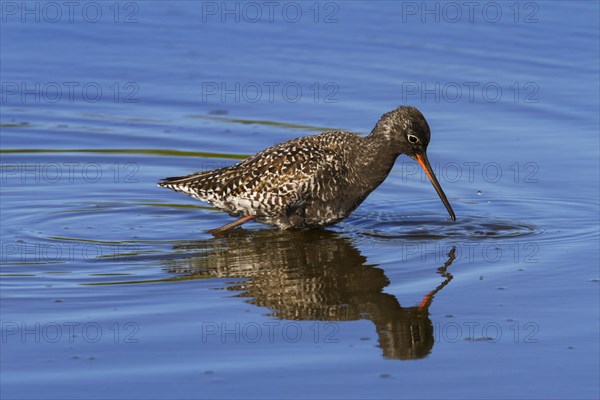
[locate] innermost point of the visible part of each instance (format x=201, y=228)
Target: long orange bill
x=424, y=163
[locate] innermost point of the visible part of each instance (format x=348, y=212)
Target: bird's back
x=279, y=182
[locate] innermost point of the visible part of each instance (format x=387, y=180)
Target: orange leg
x=231, y=225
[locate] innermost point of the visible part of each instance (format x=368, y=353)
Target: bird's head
x=405, y=131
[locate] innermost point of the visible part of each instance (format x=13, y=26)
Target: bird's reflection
x=315, y=275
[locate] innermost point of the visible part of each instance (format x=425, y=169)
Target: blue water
x=111, y=288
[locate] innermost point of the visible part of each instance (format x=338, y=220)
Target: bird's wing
x=288, y=174
x=284, y=175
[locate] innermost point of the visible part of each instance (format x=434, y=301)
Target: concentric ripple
x=390, y=225
x=478, y=221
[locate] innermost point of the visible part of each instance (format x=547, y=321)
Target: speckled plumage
x=312, y=181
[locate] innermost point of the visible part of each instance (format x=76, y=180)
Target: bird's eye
x=413, y=139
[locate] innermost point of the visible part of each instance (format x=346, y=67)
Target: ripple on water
x=546, y=220
x=426, y=227
x=114, y=246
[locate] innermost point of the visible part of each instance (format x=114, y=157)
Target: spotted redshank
x=313, y=181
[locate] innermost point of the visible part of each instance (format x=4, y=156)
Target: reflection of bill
x=318, y=276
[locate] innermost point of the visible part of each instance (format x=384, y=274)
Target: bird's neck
x=377, y=160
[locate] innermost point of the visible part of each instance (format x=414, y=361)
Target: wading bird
x=313, y=181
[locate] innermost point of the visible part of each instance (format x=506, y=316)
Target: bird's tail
x=194, y=185
x=179, y=180
x=199, y=184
